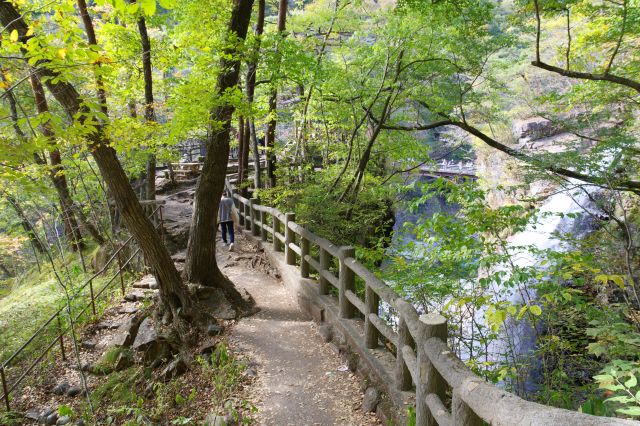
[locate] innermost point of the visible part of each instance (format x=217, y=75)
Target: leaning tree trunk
x=273, y=103
x=201, y=266
x=173, y=293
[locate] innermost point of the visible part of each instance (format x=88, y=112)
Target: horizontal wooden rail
x=355, y=301
x=384, y=329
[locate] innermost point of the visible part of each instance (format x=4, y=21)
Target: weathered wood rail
x=446, y=391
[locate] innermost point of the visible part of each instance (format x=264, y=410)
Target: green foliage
x=620, y=378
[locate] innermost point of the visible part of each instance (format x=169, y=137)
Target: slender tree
x=201, y=266
x=273, y=102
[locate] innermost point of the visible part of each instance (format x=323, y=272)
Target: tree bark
x=173, y=293
x=241, y=138
x=149, y=109
x=273, y=103
x=201, y=266
x=72, y=213
x=25, y=223
x=245, y=154
x=252, y=67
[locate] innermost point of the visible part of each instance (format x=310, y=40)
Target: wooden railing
x=447, y=392
x=60, y=317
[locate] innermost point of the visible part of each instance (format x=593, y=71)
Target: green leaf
x=148, y=6
x=535, y=310
x=630, y=411
x=631, y=382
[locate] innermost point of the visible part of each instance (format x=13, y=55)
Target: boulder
x=128, y=331
x=146, y=334
x=155, y=348
x=535, y=128
x=370, y=400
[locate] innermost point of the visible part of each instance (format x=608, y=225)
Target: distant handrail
x=423, y=357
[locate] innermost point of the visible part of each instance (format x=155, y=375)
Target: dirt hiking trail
x=300, y=379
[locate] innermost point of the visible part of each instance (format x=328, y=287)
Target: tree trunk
x=201, y=266
x=173, y=293
x=26, y=224
x=149, y=110
x=71, y=212
x=273, y=103
x=245, y=155
x=241, y=138
x=252, y=67
x=257, y=167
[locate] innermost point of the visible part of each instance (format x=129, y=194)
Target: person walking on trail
x=225, y=219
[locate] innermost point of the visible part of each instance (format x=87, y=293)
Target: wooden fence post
x=346, y=281
x=371, y=300
x=255, y=229
x=247, y=215
x=263, y=227
x=5, y=389
x=304, y=250
x=277, y=244
x=403, y=375
x=289, y=254
x=239, y=207
x=429, y=380
x=461, y=414
x=324, y=266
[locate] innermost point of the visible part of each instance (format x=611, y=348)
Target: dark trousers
x=227, y=227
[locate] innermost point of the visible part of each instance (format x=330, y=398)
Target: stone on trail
x=74, y=391
x=146, y=334
x=127, y=332
x=214, y=329
x=214, y=419
x=63, y=420
x=139, y=295
x=148, y=282
x=370, y=400
x=148, y=341
x=61, y=388
x=51, y=419
x=175, y=368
